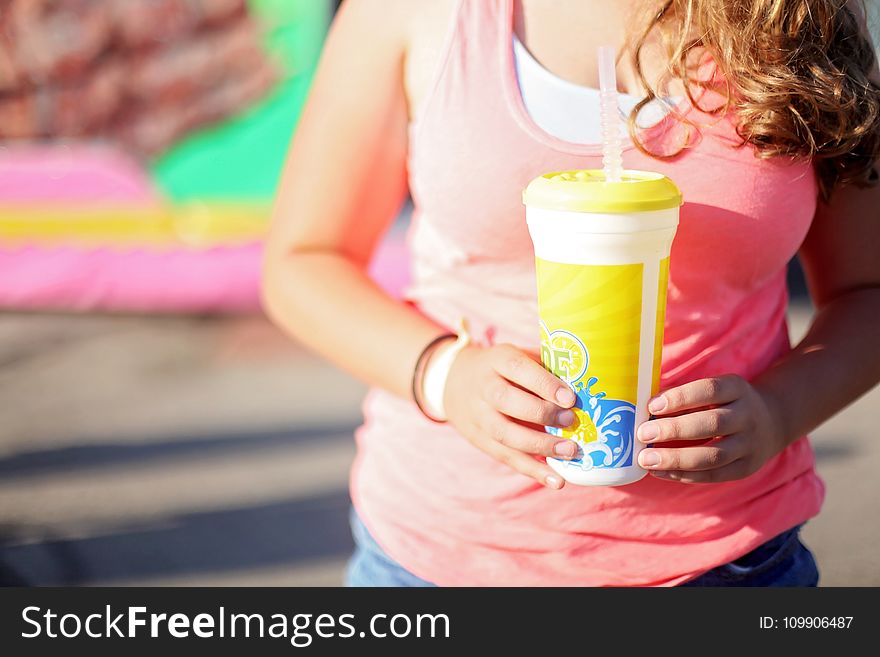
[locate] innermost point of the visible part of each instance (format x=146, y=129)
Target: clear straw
x=612, y=149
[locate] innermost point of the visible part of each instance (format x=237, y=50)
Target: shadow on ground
x=280, y=533
x=276, y=533
x=153, y=451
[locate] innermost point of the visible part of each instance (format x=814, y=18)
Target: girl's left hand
x=742, y=420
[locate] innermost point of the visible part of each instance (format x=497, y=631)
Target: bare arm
x=343, y=184
x=840, y=355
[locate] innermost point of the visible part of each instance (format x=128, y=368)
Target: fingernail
x=565, y=396
x=565, y=418
x=553, y=481
x=657, y=405
x=649, y=459
x=565, y=448
x=648, y=432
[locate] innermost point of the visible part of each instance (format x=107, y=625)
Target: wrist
x=780, y=430
x=432, y=372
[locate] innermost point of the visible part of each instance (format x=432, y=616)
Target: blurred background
x=154, y=427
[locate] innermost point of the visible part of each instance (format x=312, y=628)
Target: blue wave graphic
x=615, y=430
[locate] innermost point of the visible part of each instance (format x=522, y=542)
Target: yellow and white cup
x=602, y=259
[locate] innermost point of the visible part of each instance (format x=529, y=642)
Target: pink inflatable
x=72, y=174
x=173, y=278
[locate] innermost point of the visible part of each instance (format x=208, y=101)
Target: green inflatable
x=241, y=158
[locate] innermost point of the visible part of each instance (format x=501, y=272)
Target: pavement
x=215, y=451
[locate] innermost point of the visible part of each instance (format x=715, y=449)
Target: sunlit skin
x=346, y=178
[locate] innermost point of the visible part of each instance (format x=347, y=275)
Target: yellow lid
x=588, y=191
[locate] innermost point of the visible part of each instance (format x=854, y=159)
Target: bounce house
x=142, y=141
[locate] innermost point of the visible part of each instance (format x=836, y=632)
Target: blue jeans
x=781, y=561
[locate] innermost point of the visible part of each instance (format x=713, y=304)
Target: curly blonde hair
x=797, y=73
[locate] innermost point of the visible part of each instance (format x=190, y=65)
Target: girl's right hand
x=496, y=395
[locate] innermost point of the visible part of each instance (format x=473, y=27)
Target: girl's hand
x=742, y=420
x=494, y=396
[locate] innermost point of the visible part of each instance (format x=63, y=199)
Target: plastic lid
x=587, y=190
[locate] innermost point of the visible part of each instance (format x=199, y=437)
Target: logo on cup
x=563, y=353
x=603, y=427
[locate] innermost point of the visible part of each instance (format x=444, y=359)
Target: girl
x=766, y=113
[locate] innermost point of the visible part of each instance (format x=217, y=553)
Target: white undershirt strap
x=567, y=110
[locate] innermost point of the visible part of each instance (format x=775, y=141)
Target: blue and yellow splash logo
x=603, y=427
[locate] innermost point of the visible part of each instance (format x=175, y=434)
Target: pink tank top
x=452, y=515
